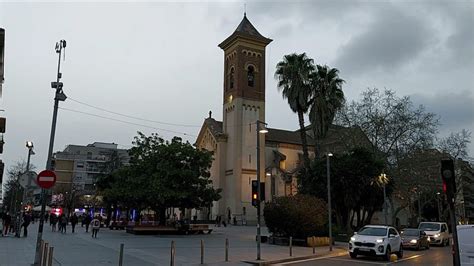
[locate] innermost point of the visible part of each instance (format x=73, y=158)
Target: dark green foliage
x=298, y=216
x=162, y=174
x=354, y=185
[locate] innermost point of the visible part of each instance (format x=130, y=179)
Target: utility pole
x=328, y=174
x=259, y=196
x=59, y=96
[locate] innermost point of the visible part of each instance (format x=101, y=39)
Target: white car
x=376, y=240
x=466, y=244
x=437, y=232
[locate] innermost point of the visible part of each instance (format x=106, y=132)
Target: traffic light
x=449, y=178
x=254, y=193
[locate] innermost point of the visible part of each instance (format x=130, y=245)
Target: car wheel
x=388, y=252
x=446, y=242
x=400, y=252
x=353, y=255
x=428, y=245
x=418, y=247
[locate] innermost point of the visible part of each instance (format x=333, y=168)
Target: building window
x=250, y=76
x=80, y=165
x=231, y=78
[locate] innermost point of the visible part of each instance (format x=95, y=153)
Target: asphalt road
x=434, y=256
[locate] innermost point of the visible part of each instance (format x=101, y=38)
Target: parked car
x=414, y=238
x=437, y=232
x=466, y=244
x=376, y=240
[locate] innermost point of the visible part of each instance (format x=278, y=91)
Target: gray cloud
x=393, y=39
x=455, y=109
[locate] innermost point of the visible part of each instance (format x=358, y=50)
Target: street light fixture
x=328, y=174
x=260, y=130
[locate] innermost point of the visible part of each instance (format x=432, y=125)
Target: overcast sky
x=160, y=61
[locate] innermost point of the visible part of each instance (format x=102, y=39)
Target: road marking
x=360, y=261
x=312, y=259
x=409, y=258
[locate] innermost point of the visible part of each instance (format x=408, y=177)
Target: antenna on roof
x=245, y=9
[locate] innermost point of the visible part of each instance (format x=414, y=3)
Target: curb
x=337, y=252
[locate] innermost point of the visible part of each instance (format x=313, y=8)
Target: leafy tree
x=294, y=81
x=356, y=192
x=162, y=174
x=326, y=99
x=397, y=129
x=298, y=216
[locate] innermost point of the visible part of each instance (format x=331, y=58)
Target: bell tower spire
x=243, y=105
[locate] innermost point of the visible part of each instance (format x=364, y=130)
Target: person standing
x=95, y=226
x=74, y=221
x=53, y=219
x=87, y=221
x=63, y=222
x=7, y=220
x=26, y=223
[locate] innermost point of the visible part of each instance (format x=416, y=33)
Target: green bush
x=298, y=216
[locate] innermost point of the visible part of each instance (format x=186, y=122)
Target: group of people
x=8, y=226
x=60, y=222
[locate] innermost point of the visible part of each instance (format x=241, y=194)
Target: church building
x=234, y=140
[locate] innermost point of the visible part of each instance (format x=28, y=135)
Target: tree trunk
x=304, y=141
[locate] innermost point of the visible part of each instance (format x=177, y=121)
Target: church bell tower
x=243, y=105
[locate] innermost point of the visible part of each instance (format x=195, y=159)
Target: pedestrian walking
x=52, y=221
x=95, y=226
x=63, y=222
x=87, y=221
x=7, y=220
x=26, y=223
x=74, y=221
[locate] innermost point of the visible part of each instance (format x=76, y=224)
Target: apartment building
x=78, y=167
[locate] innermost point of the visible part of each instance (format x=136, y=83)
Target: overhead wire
x=127, y=122
x=130, y=116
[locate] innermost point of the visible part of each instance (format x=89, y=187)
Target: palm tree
x=293, y=75
x=326, y=100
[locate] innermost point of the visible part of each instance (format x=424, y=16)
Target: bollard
x=291, y=246
x=41, y=251
x=121, y=255
x=50, y=256
x=226, y=249
x=314, y=244
x=202, y=251
x=172, y=253
x=45, y=254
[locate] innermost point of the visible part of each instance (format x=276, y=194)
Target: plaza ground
x=143, y=250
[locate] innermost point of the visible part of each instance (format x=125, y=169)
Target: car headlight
x=353, y=239
x=436, y=235
x=379, y=240
x=413, y=241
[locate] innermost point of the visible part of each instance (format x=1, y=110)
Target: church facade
x=234, y=139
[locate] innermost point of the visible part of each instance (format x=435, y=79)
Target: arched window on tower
x=231, y=78
x=250, y=76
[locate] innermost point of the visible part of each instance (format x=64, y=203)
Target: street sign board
x=46, y=179
x=25, y=177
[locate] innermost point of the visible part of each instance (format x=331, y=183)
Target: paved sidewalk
x=81, y=249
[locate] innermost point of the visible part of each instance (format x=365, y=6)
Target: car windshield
x=429, y=226
x=410, y=232
x=373, y=231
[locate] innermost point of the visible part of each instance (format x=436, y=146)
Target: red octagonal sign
x=46, y=179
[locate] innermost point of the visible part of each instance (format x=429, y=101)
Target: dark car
x=415, y=238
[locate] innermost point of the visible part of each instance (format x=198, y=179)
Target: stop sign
x=46, y=179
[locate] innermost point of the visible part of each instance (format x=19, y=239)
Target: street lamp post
x=439, y=207
x=29, y=145
x=328, y=174
x=259, y=235
x=383, y=179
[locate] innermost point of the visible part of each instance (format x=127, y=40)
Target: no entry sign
x=46, y=179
